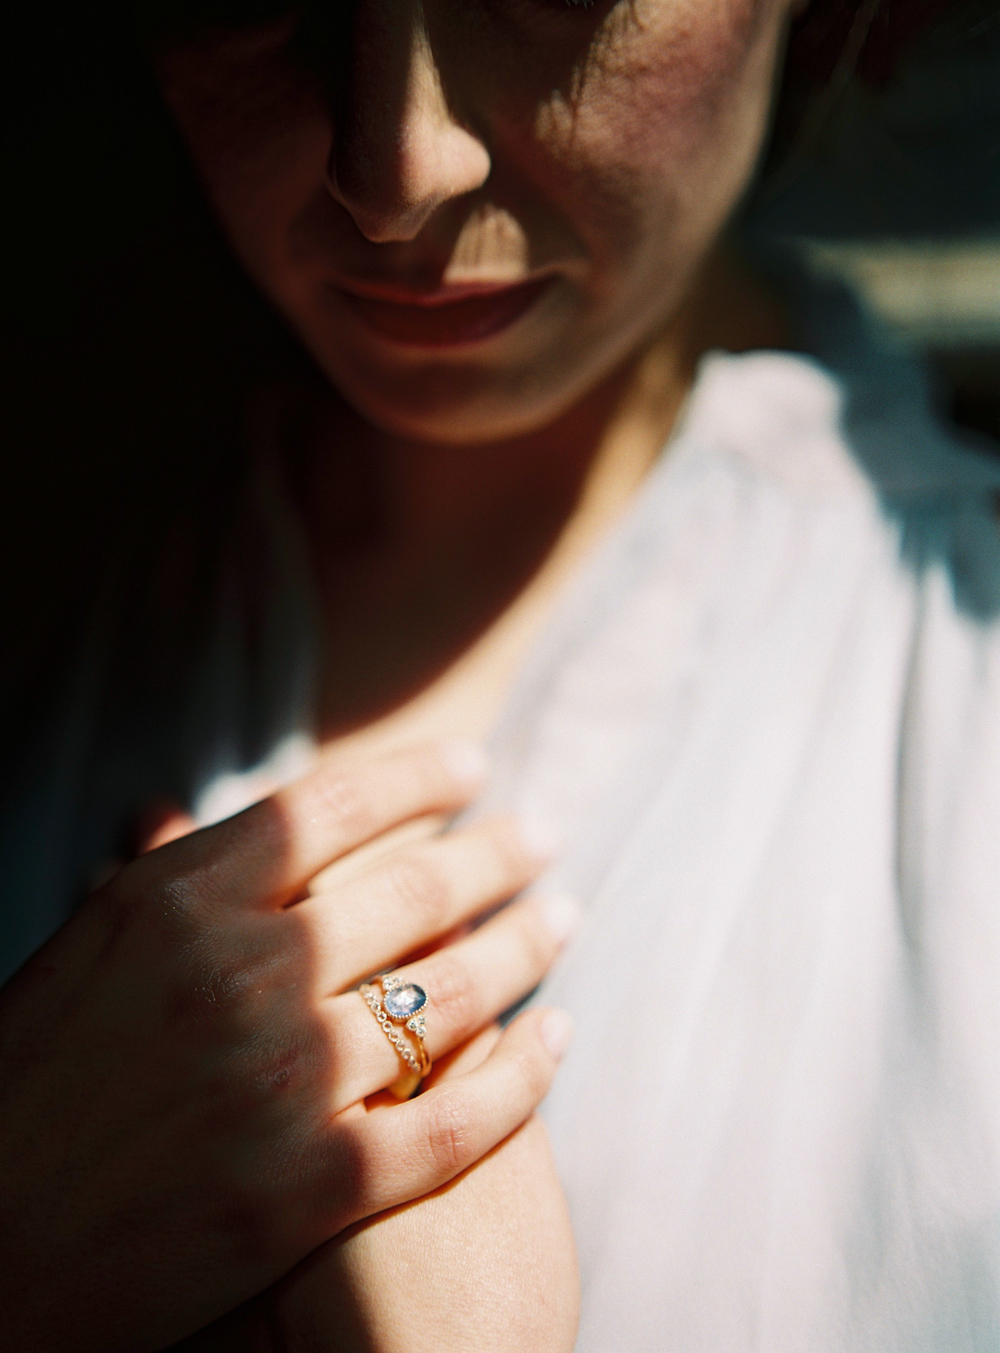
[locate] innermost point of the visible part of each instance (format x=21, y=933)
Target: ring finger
x=416, y=895
x=468, y=984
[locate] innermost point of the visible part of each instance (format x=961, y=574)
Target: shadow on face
x=471, y=214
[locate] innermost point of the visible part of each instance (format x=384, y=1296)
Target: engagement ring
x=401, y=1005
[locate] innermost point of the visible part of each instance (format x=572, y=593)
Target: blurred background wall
x=894, y=184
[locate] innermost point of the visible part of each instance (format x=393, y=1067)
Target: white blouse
x=768, y=723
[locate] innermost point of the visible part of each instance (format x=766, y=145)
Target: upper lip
x=397, y=293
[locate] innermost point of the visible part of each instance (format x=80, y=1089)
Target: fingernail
x=556, y=1032
x=561, y=913
x=539, y=838
x=466, y=761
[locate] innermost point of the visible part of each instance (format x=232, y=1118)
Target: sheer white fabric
x=768, y=726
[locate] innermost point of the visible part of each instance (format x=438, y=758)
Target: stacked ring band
x=401, y=1004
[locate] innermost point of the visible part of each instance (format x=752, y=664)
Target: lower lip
x=451, y=324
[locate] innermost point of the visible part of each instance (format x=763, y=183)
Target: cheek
x=259, y=133
x=657, y=131
x=683, y=65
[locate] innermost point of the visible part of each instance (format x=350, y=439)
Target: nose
x=398, y=150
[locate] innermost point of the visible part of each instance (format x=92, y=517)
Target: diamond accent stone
x=404, y=1001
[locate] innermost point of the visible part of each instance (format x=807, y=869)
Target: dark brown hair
x=833, y=42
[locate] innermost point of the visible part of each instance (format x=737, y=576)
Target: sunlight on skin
x=491, y=246
x=610, y=142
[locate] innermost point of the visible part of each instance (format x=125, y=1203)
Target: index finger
x=267, y=853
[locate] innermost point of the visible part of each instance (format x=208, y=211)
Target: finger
x=153, y=825
x=405, y=1152
x=466, y=1057
x=468, y=985
x=267, y=853
x=452, y=1064
x=415, y=896
x=171, y=826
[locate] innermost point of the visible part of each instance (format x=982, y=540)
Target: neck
x=423, y=492
x=419, y=548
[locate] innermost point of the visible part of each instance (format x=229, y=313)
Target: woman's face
x=472, y=211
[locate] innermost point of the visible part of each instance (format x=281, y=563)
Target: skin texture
x=515, y=1289
x=428, y=145
x=184, y=1088
x=506, y=139
x=486, y=1262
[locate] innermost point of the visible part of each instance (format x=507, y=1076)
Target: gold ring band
x=401, y=1004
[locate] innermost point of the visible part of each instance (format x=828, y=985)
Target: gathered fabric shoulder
x=767, y=723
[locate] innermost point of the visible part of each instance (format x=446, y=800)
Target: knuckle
x=533, y=1078
x=186, y=899
x=425, y=775
x=209, y=986
x=221, y=985
x=232, y=972
x=273, y=1083
x=418, y=885
x=177, y=918
x=343, y=799
x=430, y=776
x=447, y=1134
x=279, y=1074
x=176, y=902
x=255, y=1091
x=505, y=852
x=455, y=996
x=535, y=938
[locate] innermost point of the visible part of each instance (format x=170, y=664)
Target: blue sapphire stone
x=404, y=1001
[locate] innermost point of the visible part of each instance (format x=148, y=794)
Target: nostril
x=380, y=218
x=392, y=190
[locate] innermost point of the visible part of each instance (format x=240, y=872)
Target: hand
x=181, y=1086
x=486, y=1264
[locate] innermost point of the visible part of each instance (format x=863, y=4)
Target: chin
x=450, y=404
x=455, y=421
x=509, y=386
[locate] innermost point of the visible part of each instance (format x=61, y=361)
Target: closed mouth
x=447, y=317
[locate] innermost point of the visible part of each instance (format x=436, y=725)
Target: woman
x=761, y=707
